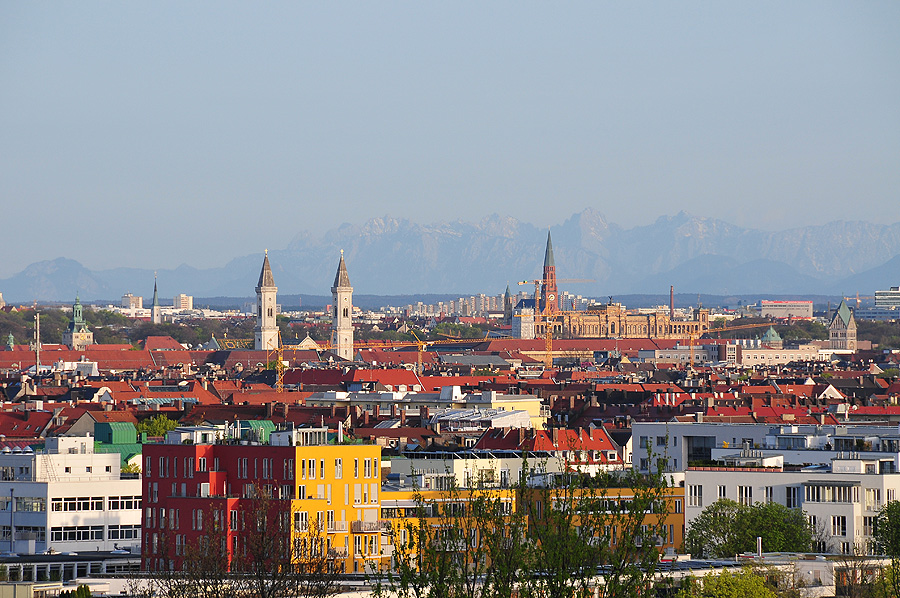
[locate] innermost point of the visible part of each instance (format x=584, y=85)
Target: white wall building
x=841, y=500
x=67, y=498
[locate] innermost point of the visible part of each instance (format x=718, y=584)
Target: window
x=745, y=495
x=838, y=525
x=201, y=464
x=660, y=441
x=770, y=494
x=338, y=469
x=76, y=533
x=644, y=442
x=312, y=469
x=868, y=525
x=367, y=469
x=123, y=532
x=792, y=499
x=322, y=469
x=695, y=495
x=356, y=468
x=722, y=493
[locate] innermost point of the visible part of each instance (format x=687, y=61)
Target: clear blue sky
x=151, y=134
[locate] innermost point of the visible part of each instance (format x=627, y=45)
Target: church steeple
x=266, y=336
x=155, y=311
x=342, y=313
x=549, y=293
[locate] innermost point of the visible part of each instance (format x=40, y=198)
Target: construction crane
x=277, y=354
x=547, y=313
x=858, y=299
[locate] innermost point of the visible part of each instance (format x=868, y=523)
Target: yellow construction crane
x=858, y=298
x=277, y=354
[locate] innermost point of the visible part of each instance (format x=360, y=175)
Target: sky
x=151, y=134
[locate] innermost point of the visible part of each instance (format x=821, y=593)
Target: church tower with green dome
x=77, y=335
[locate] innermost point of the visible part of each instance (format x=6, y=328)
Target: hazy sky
x=151, y=134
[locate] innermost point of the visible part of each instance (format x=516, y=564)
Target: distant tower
x=266, y=326
x=155, y=312
x=842, y=329
x=77, y=335
x=342, y=315
x=549, y=293
x=507, y=306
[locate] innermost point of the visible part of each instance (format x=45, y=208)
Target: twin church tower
x=266, y=336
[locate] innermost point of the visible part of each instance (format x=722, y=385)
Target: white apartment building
x=67, y=498
x=841, y=499
x=681, y=443
x=183, y=302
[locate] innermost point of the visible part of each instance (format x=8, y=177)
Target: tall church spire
x=549, y=293
x=155, y=311
x=342, y=313
x=266, y=334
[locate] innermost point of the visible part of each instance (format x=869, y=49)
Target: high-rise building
x=183, y=302
x=130, y=301
x=266, y=337
x=342, y=313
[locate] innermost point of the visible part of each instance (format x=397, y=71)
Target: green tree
x=726, y=528
x=156, y=426
x=887, y=542
x=742, y=584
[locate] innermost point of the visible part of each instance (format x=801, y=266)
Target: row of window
x=24, y=503
x=309, y=468
x=78, y=533
x=93, y=503
x=745, y=495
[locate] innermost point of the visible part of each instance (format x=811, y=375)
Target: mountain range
x=393, y=256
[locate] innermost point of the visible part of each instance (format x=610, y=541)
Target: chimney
x=394, y=411
x=423, y=413
x=284, y=410
x=521, y=437
x=402, y=417
x=270, y=409
x=556, y=437
x=333, y=410
x=376, y=410
x=366, y=419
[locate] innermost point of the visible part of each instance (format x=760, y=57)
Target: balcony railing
x=337, y=526
x=362, y=527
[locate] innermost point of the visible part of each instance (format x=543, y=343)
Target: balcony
x=365, y=527
x=338, y=553
x=337, y=526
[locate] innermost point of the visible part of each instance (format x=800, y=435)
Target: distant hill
x=389, y=256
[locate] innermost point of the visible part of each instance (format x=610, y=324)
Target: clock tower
x=342, y=313
x=549, y=292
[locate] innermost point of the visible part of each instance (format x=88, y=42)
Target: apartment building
x=67, y=498
x=841, y=499
x=206, y=475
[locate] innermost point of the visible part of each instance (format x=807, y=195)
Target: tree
x=559, y=535
x=726, y=584
x=273, y=562
x=459, y=543
x=887, y=542
x=156, y=426
x=726, y=528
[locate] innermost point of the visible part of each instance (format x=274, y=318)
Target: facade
x=183, y=302
x=786, y=309
x=77, y=335
x=67, y=498
x=342, y=313
x=841, y=499
x=614, y=321
x=201, y=475
x=266, y=335
x=130, y=301
x=842, y=329
x=888, y=299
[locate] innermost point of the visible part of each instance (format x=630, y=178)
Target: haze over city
x=151, y=135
